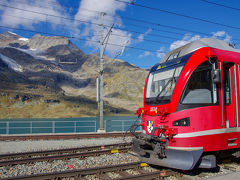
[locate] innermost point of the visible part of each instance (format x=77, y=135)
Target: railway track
x=122, y=171
x=82, y=152
x=134, y=170
x=61, y=136
x=128, y=171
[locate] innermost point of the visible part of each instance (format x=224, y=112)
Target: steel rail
x=83, y=152
x=61, y=136
x=100, y=171
x=60, y=151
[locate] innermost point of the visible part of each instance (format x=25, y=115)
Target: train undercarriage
x=155, y=150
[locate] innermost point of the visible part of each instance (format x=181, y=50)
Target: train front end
x=161, y=122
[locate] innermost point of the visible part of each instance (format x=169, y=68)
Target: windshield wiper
x=170, y=80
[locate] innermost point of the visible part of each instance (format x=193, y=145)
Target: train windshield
x=161, y=84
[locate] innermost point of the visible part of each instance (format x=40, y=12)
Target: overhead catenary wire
x=149, y=22
x=222, y=5
x=138, y=39
x=143, y=21
x=149, y=40
x=178, y=14
x=139, y=20
x=81, y=39
x=123, y=29
x=46, y=14
x=136, y=32
x=114, y=34
x=156, y=24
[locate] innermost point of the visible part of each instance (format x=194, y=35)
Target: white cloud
x=186, y=39
x=87, y=12
x=222, y=34
x=87, y=9
x=115, y=43
x=124, y=39
x=13, y=17
x=160, y=52
x=146, y=53
x=218, y=33
x=141, y=36
x=86, y=21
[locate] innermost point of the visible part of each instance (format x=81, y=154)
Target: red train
x=191, y=106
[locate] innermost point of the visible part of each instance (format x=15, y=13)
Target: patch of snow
x=37, y=55
x=33, y=52
x=23, y=39
x=12, y=33
x=11, y=63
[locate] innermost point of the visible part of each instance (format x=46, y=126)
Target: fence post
x=95, y=125
x=75, y=126
x=122, y=125
x=106, y=125
x=7, y=127
x=53, y=126
x=31, y=127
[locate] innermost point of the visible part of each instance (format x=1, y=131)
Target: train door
x=229, y=84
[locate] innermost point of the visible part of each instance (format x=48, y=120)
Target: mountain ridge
x=56, y=65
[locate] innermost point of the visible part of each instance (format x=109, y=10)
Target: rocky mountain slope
x=52, y=77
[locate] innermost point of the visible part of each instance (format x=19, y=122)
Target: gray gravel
x=26, y=146
x=75, y=163
x=61, y=165
x=226, y=171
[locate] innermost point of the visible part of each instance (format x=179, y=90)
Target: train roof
x=195, y=45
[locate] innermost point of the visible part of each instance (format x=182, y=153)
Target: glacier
x=11, y=63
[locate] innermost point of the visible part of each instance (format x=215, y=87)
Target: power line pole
x=101, y=129
x=103, y=45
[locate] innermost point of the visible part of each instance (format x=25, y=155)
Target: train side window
x=200, y=89
x=227, y=92
x=173, y=56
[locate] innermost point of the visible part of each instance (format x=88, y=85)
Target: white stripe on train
x=208, y=132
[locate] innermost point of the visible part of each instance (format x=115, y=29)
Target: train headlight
x=182, y=122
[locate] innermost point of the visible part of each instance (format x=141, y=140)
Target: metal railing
x=118, y=125
x=54, y=126
x=30, y=127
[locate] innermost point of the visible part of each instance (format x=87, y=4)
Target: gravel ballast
x=37, y=145
x=89, y=162
x=61, y=165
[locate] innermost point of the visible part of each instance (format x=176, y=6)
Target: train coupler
x=163, y=155
x=159, y=150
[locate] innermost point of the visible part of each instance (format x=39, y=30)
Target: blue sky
x=158, y=26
